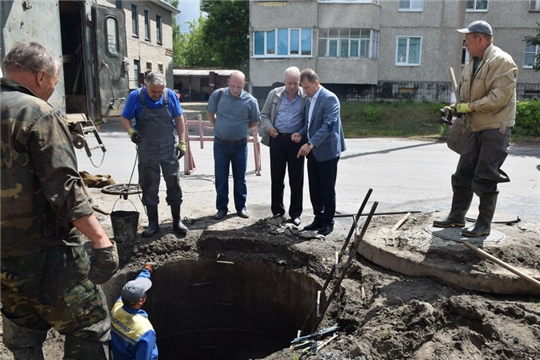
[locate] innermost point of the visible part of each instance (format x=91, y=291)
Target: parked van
x=90, y=40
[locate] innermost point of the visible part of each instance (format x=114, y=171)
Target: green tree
x=177, y=39
x=194, y=51
x=535, y=40
x=226, y=32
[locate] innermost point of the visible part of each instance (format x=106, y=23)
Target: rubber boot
x=24, y=343
x=153, y=224
x=486, y=209
x=178, y=225
x=461, y=202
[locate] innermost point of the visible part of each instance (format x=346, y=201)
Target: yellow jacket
x=492, y=90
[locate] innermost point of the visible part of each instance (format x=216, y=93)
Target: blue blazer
x=325, y=130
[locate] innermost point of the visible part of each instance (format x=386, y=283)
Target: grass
x=392, y=119
x=404, y=118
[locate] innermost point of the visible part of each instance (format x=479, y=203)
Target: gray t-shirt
x=233, y=114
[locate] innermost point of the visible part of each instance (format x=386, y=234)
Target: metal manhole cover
x=454, y=234
x=500, y=216
x=122, y=189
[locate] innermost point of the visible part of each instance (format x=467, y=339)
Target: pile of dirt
x=381, y=314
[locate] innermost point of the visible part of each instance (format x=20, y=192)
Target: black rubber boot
x=461, y=202
x=153, y=224
x=486, y=209
x=178, y=225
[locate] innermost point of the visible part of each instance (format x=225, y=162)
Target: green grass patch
x=407, y=118
x=398, y=118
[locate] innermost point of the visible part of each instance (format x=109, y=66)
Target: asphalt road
x=405, y=175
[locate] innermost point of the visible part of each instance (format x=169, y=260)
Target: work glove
x=463, y=108
x=151, y=266
x=103, y=264
x=134, y=136
x=180, y=150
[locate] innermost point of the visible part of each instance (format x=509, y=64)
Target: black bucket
x=124, y=224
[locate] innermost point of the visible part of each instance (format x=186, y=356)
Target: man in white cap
x=488, y=101
x=133, y=336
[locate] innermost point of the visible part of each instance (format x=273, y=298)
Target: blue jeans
x=235, y=154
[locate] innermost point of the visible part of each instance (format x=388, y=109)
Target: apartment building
x=384, y=49
x=149, y=37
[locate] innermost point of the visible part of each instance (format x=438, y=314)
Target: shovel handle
x=502, y=263
x=400, y=222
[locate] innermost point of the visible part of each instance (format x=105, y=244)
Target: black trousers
x=283, y=155
x=322, y=188
x=479, y=165
x=153, y=157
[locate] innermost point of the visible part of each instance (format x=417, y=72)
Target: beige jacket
x=492, y=91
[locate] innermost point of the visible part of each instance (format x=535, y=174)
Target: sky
x=189, y=11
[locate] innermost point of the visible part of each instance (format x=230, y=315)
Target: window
x=283, y=42
x=408, y=50
x=134, y=21
x=118, y=4
x=477, y=5
x=534, y=5
x=159, y=36
x=349, y=1
x=464, y=54
x=361, y=43
x=148, y=66
x=530, y=56
x=111, y=27
x=136, y=69
x=160, y=68
x=411, y=5
x=146, y=25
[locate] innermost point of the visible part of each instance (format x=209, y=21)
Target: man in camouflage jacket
x=48, y=280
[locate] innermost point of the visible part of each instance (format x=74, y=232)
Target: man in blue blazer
x=325, y=142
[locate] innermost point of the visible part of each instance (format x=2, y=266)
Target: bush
x=372, y=114
x=527, y=118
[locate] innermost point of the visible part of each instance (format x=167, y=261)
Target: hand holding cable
x=180, y=150
x=134, y=136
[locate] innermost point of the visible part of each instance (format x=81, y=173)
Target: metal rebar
x=330, y=275
x=352, y=253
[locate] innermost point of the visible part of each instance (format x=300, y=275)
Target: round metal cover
x=122, y=189
x=500, y=216
x=454, y=234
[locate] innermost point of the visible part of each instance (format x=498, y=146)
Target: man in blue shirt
x=157, y=113
x=282, y=118
x=133, y=336
x=232, y=111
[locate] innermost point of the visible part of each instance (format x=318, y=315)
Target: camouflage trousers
x=50, y=288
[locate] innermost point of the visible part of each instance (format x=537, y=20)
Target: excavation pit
x=207, y=309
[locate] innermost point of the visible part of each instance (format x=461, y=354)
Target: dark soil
x=382, y=314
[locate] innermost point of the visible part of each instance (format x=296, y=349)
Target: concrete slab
x=426, y=251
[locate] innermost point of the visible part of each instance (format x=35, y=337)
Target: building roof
x=199, y=72
x=165, y=5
